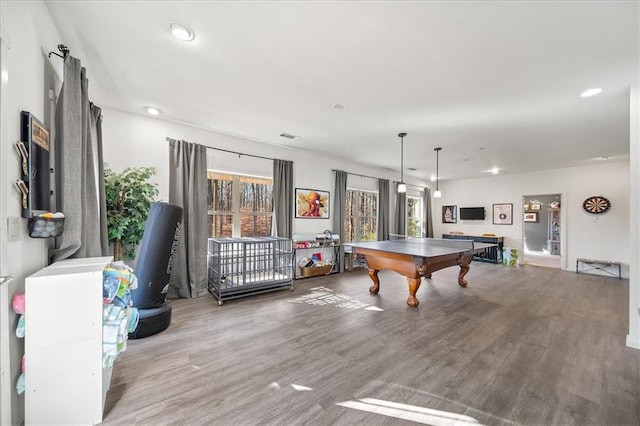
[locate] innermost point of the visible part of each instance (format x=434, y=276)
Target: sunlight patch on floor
x=300, y=388
x=412, y=413
x=324, y=296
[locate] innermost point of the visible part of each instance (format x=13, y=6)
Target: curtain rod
x=410, y=184
x=355, y=174
x=227, y=150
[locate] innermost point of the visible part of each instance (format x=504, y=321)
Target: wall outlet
x=14, y=229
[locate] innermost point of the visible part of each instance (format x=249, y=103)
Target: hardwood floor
x=520, y=345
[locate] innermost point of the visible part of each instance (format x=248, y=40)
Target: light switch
x=14, y=228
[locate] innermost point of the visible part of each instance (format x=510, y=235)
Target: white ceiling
x=495, y=84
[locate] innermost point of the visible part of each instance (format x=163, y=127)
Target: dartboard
x=596, y=204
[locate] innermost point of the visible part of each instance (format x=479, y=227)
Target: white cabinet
x=65, y=381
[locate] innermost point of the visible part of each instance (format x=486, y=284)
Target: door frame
x=563, y=227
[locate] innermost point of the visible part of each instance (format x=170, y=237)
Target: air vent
x=289, y=136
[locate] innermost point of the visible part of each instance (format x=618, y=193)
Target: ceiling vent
x=289, y=136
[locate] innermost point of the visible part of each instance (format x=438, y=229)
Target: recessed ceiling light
x=604, y=157
x=590, y=92
x=337, y=106
x=182, y=32
x=495, y=171
x=153, y=110
x=433, y=178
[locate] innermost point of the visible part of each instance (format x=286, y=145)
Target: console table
x=317, y=245
x=492, y=254
x=600, y=265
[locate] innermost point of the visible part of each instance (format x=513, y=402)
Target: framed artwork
x=536, y=207
x=503, y=214
x=312, y=204
x=531, y=217
x=449, y=214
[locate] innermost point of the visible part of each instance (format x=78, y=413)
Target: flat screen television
x=472, y=213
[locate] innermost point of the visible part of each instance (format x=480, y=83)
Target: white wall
x=131, y=140
x=633, y=338
x=603, y=236
x=28, y=34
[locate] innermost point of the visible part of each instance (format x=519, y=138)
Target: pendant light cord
x=401, y=136
x=402, y=159
x=437, y=150
x=437, y=169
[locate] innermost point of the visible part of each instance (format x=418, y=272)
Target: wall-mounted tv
x=472, y=213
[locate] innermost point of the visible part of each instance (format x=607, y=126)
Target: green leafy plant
x=129, y=196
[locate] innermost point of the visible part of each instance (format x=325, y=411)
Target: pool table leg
x=375, y=288
x=464, y=268
x=414, y=285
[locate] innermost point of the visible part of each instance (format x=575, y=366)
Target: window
x=414, y=217
x=239, y=206
x=361, y=216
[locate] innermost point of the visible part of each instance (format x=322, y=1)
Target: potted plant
x=129, y=196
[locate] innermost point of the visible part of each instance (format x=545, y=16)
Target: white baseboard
x=633, y=343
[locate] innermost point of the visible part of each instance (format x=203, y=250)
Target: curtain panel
x=383, y=209
x=428, y=214
x=188, y=189
x=339, y=204
x=401, y=213
x=282, y=198
x=79, y=168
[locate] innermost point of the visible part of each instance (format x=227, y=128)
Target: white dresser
x=65, y=381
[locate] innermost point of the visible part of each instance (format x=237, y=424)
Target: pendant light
x=402, y=187
x=437, y=194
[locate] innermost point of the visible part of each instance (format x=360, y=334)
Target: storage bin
x=313, y=271
x=45, y=227
x=510, y=256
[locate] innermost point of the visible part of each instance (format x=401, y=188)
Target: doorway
x=541, y=227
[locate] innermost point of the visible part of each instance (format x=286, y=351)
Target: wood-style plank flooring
x=521, y=345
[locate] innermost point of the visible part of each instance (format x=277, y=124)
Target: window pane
x=414, y=216
x=349, y=207
x=368, y=204
x=413, y=227
x=255, y=225
x=220, y=194
x=361, y=216
x=368, y=229
x=411, y=207
x=221, y=225
x=349, y=229
x=256, y=195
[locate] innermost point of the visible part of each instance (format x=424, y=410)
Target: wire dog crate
x=238, y=267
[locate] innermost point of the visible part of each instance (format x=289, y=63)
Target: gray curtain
x=79, y=172
x=339, y=202
x=428, y=214
x=383, y=209
x=188, y=189
x=282, y=198
x=401, y=212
